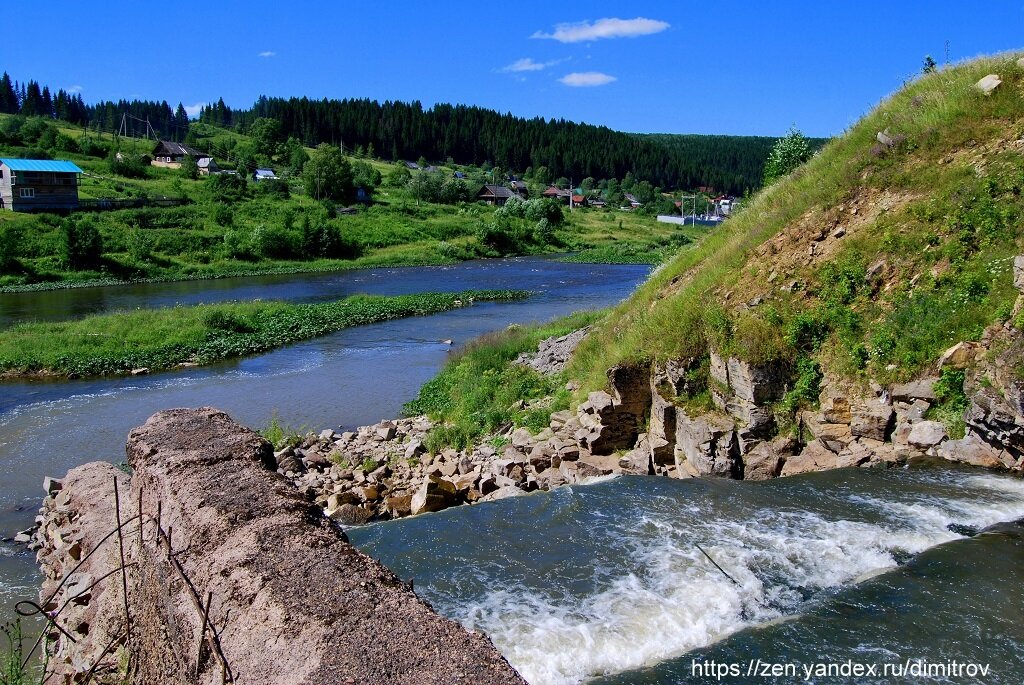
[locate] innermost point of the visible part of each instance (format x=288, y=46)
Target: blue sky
x=675, y=67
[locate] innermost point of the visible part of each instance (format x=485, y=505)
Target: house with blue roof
x=28, y=185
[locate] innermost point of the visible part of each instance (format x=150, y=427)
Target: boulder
x=988, y=84
x=434, y=494
x=708, y=444
x=814, y=457
x=976, y=452
x=414, y=449
x=521, y=437
x=925, y=434
x=637, y=461
x=502, y=493
x=767, y=459
x=1018, y=273
x=857, y=453
x=51, y=486
x=961, y=355
x=914, y=390
x=386, y=430
x=835, y=407
x=350, y=515
x=398, y=505
x=872, y=420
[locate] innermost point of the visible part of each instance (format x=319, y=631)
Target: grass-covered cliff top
x=869, y=260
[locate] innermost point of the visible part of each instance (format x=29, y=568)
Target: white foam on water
x=669, y=599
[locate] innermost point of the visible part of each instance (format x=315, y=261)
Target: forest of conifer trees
x=464, y=134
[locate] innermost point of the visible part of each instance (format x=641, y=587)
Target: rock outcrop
x=553, y=353
x=292, y=601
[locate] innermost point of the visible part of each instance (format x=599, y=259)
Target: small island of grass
x=157, y=339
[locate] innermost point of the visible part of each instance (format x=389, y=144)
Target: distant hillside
x=473, y=135
x=552, y=148
x=731, y=164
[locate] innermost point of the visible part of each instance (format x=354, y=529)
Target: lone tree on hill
x=328, y=175
x=787, y=154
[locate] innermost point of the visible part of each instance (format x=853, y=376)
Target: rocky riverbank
x=383, y=471
x=231, y=577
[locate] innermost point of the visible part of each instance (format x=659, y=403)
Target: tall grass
x=480, y=390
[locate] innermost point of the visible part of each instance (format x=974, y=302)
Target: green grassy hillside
x=225, y=229
x=862, y=266
x=867, y=262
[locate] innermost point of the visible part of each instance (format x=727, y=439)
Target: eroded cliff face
x=290, y=601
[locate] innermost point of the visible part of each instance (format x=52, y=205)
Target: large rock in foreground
x=292, y=601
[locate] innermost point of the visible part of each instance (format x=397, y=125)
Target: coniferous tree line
x=550, y=149
x=34, y=100
x=473, y=135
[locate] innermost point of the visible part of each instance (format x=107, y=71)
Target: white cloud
x=193, y=110
x=580, y=79
x=529, y=64
x=75, y=89
x=525, y=64
x=267, y=53
x=604, y=28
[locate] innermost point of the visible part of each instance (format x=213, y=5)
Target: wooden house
x=169, y=154
x=519, y=188
x=207, y=167
x=556, y=193
x=495, y=195
x=264, y=175
x=28, y=185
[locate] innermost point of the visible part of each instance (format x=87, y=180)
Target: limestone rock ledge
x=292, y=601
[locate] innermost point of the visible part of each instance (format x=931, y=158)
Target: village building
x=207, y=167
x=28, y=185
x=495, y=195
x=556, y=193
x=519, y=188
x=264, y=175
x=633, y=202
x=170, y=155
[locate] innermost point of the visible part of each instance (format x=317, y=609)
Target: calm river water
x=602, y=582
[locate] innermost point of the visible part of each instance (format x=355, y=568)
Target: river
x=603, y=581
x=353, y=377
